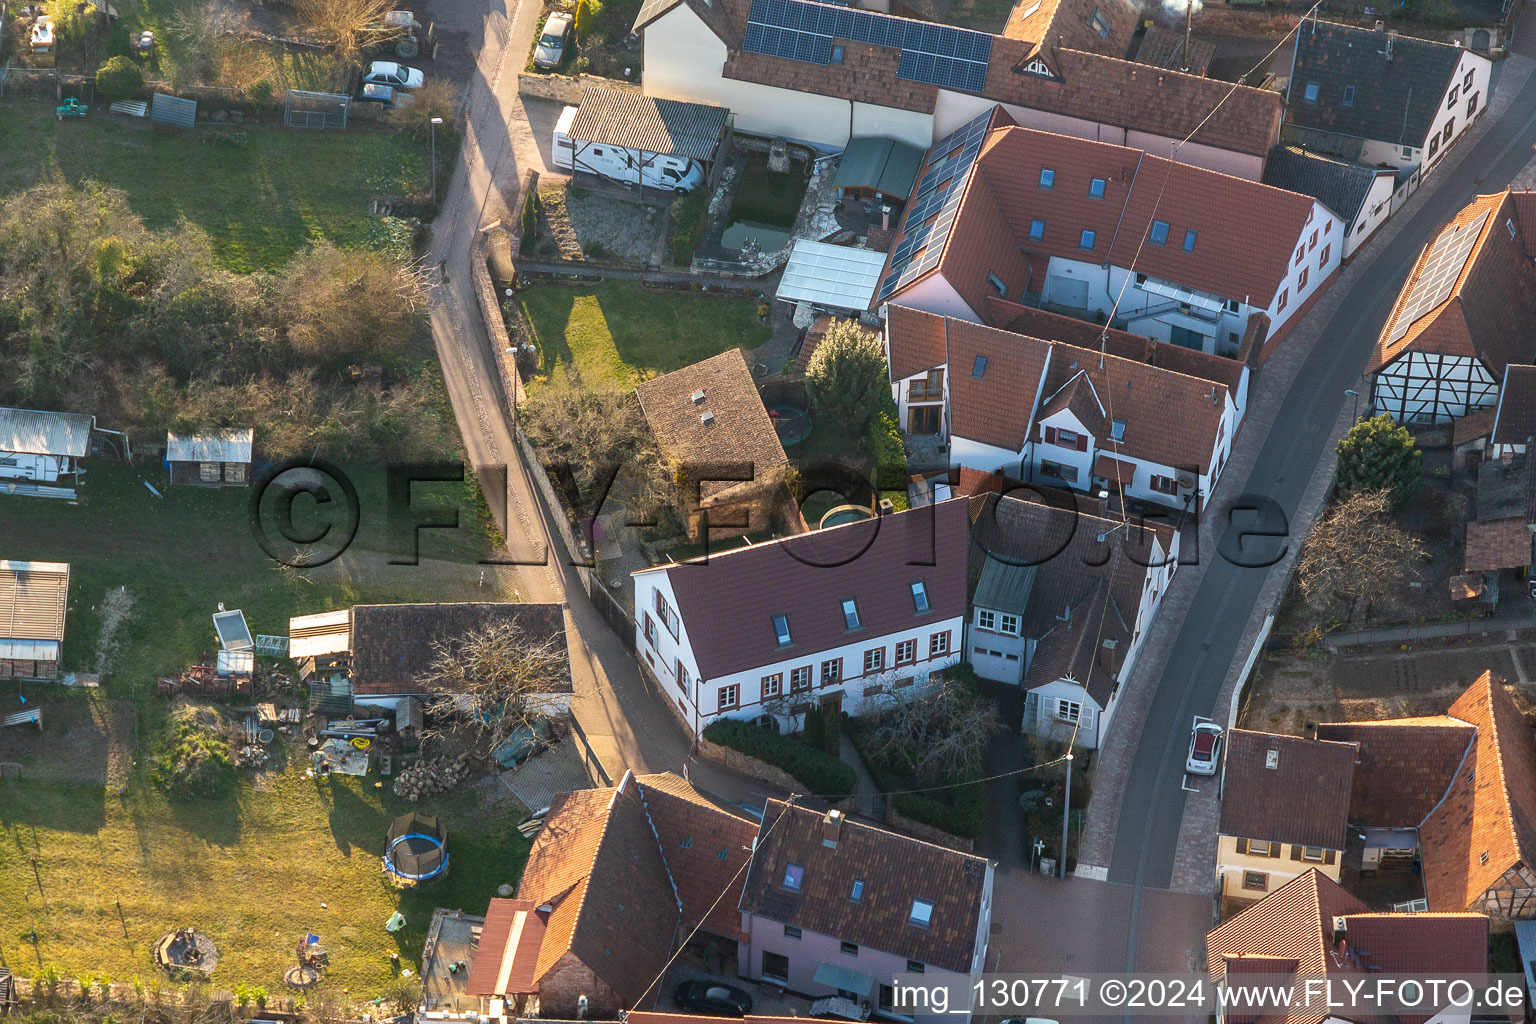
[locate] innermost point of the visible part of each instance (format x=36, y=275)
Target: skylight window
x=1087, y=239
x=920, y=597
x=850, y=613
x=837, y=55
x=979, y=367
x=1189, y=240
x=1100, y=24
x=1159, y=235
x=1349, y=96
x=1047, y=178
x=781, y=629
x=857, y=893
x=1096, y=188
x=1117, y=430
x=922, y=913
x=794, y=875
x=1310, y=93
x=1037, y=229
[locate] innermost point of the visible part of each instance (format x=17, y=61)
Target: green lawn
x=769, y=197
x=180, y=555
x=260, y=203
x=621, y=334
x=254, y=871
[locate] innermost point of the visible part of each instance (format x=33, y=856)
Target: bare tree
x=940, y=731
x=346, y=26
x=497, y=677
x=1356, y=558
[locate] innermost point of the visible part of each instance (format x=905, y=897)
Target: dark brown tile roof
x=615, y=907
x=492, y=956
x=895, y=870
x=1172, y=418
x=1403, y=766
x=1487, y=822
x=1514, y=419
x=1487, y=313
x=1303, y=799
x=1500, y=544
x=728, y=601
x=1042, y=323
x=1164, y=48
x=392, y=644
x=738, y=431
x=694, y=831
x=1292, y=931
x=1137, y=97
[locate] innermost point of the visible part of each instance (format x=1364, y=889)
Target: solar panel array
x=1440, y=272
x=949, y=168
x=803, y=30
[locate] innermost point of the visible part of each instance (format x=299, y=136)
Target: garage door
x=1067, y=291
x=996, y=665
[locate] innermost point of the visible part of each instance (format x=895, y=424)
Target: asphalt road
x=1153, y=802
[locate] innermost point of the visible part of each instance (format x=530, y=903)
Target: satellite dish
x=1186, y=480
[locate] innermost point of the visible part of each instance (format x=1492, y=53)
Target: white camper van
x=625, y=166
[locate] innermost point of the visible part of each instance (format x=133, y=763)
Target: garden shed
x=34, y=597
x=210, y=458
x=40, y=452
x=877, y=168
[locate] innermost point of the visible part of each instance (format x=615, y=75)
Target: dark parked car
x=713, y=999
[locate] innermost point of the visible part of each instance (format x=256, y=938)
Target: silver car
x=393, y=74
x=553, y=41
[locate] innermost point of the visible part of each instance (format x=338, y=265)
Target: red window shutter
x=1082, y=442
x=1050, y=435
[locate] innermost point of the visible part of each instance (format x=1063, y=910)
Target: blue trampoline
x=417, y=849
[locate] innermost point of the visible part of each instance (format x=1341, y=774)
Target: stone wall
x=568, y=88
x=569, y=979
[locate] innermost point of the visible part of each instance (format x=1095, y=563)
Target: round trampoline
x=791, y=423
x=417, y=849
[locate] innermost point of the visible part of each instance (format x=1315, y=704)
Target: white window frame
x=938, y=644
x=874, y=660
x=910, y=647
x=730, y=697
x=773, y=685
x=986, y=619
x=1009, y=624
x=1068, y=710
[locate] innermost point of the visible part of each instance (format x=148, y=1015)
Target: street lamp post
x=435, y=122
x=1066, y=816
x=1354, y=415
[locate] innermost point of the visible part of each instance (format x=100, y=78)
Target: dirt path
x=115, y=609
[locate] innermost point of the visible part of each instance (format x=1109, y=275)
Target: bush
x=586, y=12
x=846, y=377
x=118, y=79
x=890, y=454
x=824, y=775
x=961, y=811
x=260, y=91
x=688, y=220
x=193, y=759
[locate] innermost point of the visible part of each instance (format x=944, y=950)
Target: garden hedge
x=824, y=775
x=688, y=218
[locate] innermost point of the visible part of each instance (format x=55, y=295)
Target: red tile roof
x=1053, y=24
x=1172, y=418
x=694, y=831
x=1303, y=799
x=1114, y=470
x=1294, y=927
x=1515, y=417
x=1488, y=311
x=895, y=870
x=1487, y=823
x=728, y=601
x=508, y=953
x=1403, y=766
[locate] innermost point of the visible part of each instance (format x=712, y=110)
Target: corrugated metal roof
x=227, y=444
x=1004, y=586
x=33, y=600
x=831, y=276
x=321, y=633
x=29, y=650
x=669, y=127
x=173, y=110
x=35, y=432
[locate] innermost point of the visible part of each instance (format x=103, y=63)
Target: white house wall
x=663, y=658
x=1454, y=112
x=1374, y=212
x=1330, y=234
x=1425, y=387
x=954, y=109
x=934, y=294
x=984, y=457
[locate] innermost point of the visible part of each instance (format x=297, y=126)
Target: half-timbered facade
x=1462, y=317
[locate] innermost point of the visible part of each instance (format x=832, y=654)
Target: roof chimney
x=1107, y=655
x=1340, y=929
x=832, y=828
x=698, y=397
x=707, y=418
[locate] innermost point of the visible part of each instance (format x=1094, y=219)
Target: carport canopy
x=631, y=121
x=844, y=979
x=831, y=276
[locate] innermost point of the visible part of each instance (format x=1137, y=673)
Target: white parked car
x=1204, y=749
x=393, y=74
x=553, y=41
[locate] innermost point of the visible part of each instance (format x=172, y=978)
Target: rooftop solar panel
x=1444, y=265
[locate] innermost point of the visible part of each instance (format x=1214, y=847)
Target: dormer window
x=922, y=913
x=920, y=597
x=850, y=613
x=794, y=875
x=781, y=629
x=1117, y=430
